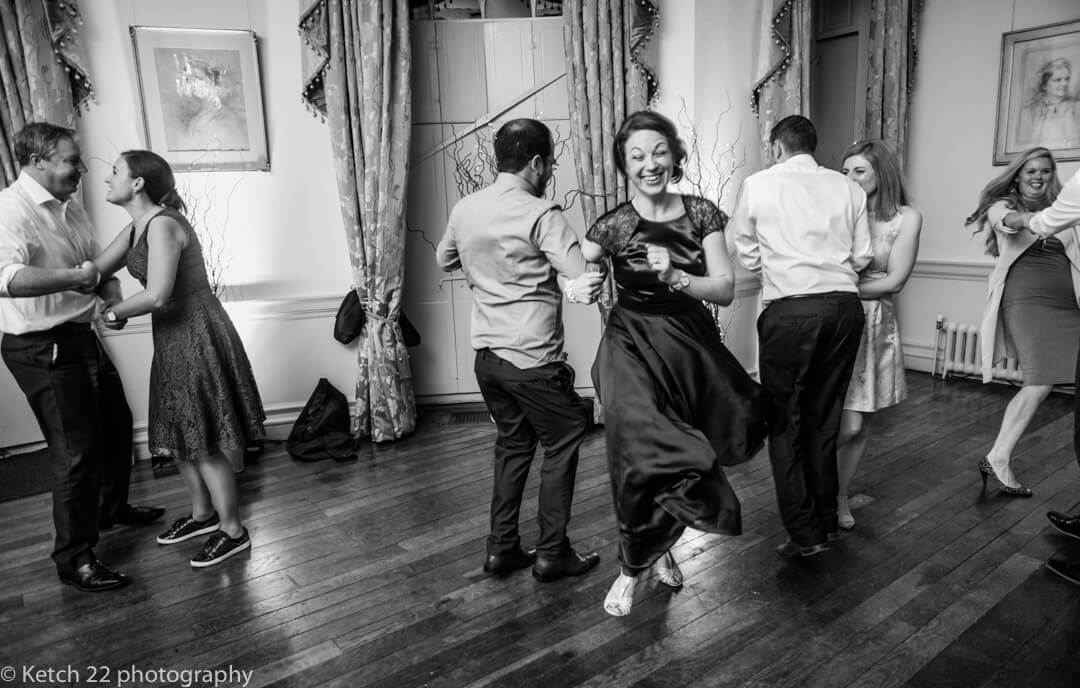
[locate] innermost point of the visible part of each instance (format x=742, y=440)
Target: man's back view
x=511, y=244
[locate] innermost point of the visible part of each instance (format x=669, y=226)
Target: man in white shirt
x=804, y=230
x=1063, y=215
x=48, y=295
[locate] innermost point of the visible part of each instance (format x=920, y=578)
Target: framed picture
x=1039, y=92
x=201, y=97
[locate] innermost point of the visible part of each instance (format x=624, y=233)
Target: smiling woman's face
x=1034, y=177
x=649, y=162
x=1057, y=85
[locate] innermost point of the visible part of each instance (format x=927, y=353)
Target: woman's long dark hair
x=158, y=180
x=1005, y=187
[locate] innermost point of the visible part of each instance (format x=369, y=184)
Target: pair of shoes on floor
x=505, y=563
x=186, y=527
x=1065, y=524
x=90, y=575
x=571, y=563
x=987, y=472
x=792, y=549
x=844, y=519
x=133, y=516
x=220, y=547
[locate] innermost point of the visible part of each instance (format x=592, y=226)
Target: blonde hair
x=1004, y=187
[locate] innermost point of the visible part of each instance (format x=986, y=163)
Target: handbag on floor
x=322, y=431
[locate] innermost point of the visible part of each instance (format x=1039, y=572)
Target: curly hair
x=1043, y=77
x=1005, y=187
x=647, y=120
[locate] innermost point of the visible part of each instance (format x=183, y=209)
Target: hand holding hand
x=659, y=262
x=110, y=319
x=588, y=285
x=87, y=277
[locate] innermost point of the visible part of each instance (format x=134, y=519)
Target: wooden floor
x=368, y=573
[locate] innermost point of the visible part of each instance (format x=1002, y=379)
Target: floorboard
x=367, y=574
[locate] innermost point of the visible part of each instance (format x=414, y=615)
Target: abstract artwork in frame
x=201, y=97
x=1039, y=92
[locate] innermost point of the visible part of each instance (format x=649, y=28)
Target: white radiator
x=958, y=348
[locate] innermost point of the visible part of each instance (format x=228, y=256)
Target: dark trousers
x=808, y=346
x=531, y=405
x=79, y=403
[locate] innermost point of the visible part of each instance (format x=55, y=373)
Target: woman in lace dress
x=204, y=404
x=877, y=380
x=677, y=404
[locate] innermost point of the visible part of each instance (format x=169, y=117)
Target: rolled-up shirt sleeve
x=446, y=253
x=559, y=242
x=1064, y=213
x=14, y=251
x=995, y=217
x=862, y=249
x=747, y=247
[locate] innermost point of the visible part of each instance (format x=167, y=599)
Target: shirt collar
x=37, y=193
x=515, y=181
x=803, y=161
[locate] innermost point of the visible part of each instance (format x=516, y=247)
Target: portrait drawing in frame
x=1039, y=92
x=201, y=97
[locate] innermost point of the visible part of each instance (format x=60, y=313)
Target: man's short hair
x=40, y=139
x=518, y=141
x=796, y=134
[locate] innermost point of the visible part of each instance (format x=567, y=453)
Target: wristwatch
x=108, y=316
x=681, y=283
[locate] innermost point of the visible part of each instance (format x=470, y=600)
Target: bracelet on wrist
x=681, y=281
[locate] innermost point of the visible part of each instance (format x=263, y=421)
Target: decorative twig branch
x=209, y=215
x=709, y=177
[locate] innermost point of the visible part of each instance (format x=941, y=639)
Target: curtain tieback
x=372, y=313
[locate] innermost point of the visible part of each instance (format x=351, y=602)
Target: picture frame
x=1039, y=92
x=201, y=97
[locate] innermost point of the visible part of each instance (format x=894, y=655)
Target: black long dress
x=678, y=405
x=203, y=396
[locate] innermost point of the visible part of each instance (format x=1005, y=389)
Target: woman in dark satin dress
x=203, y=397
x=677, y=404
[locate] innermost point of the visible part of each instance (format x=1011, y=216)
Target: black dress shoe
x=505, y=563
x=133, y=516
x=1069, y=525
x=1069, y=570
x=93, y=576
x=571, y=563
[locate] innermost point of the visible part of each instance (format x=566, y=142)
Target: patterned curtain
x=783, y=65
x=608, y=77
x=893, y=34
x=356, y=67
x=43, y=74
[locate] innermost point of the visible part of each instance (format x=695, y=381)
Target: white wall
x=950, y=150
x=288, y=268
x=705, y=70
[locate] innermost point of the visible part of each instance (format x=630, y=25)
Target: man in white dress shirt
x=804, y=230
x=48, y=295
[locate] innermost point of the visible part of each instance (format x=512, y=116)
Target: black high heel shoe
x=987, y=471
